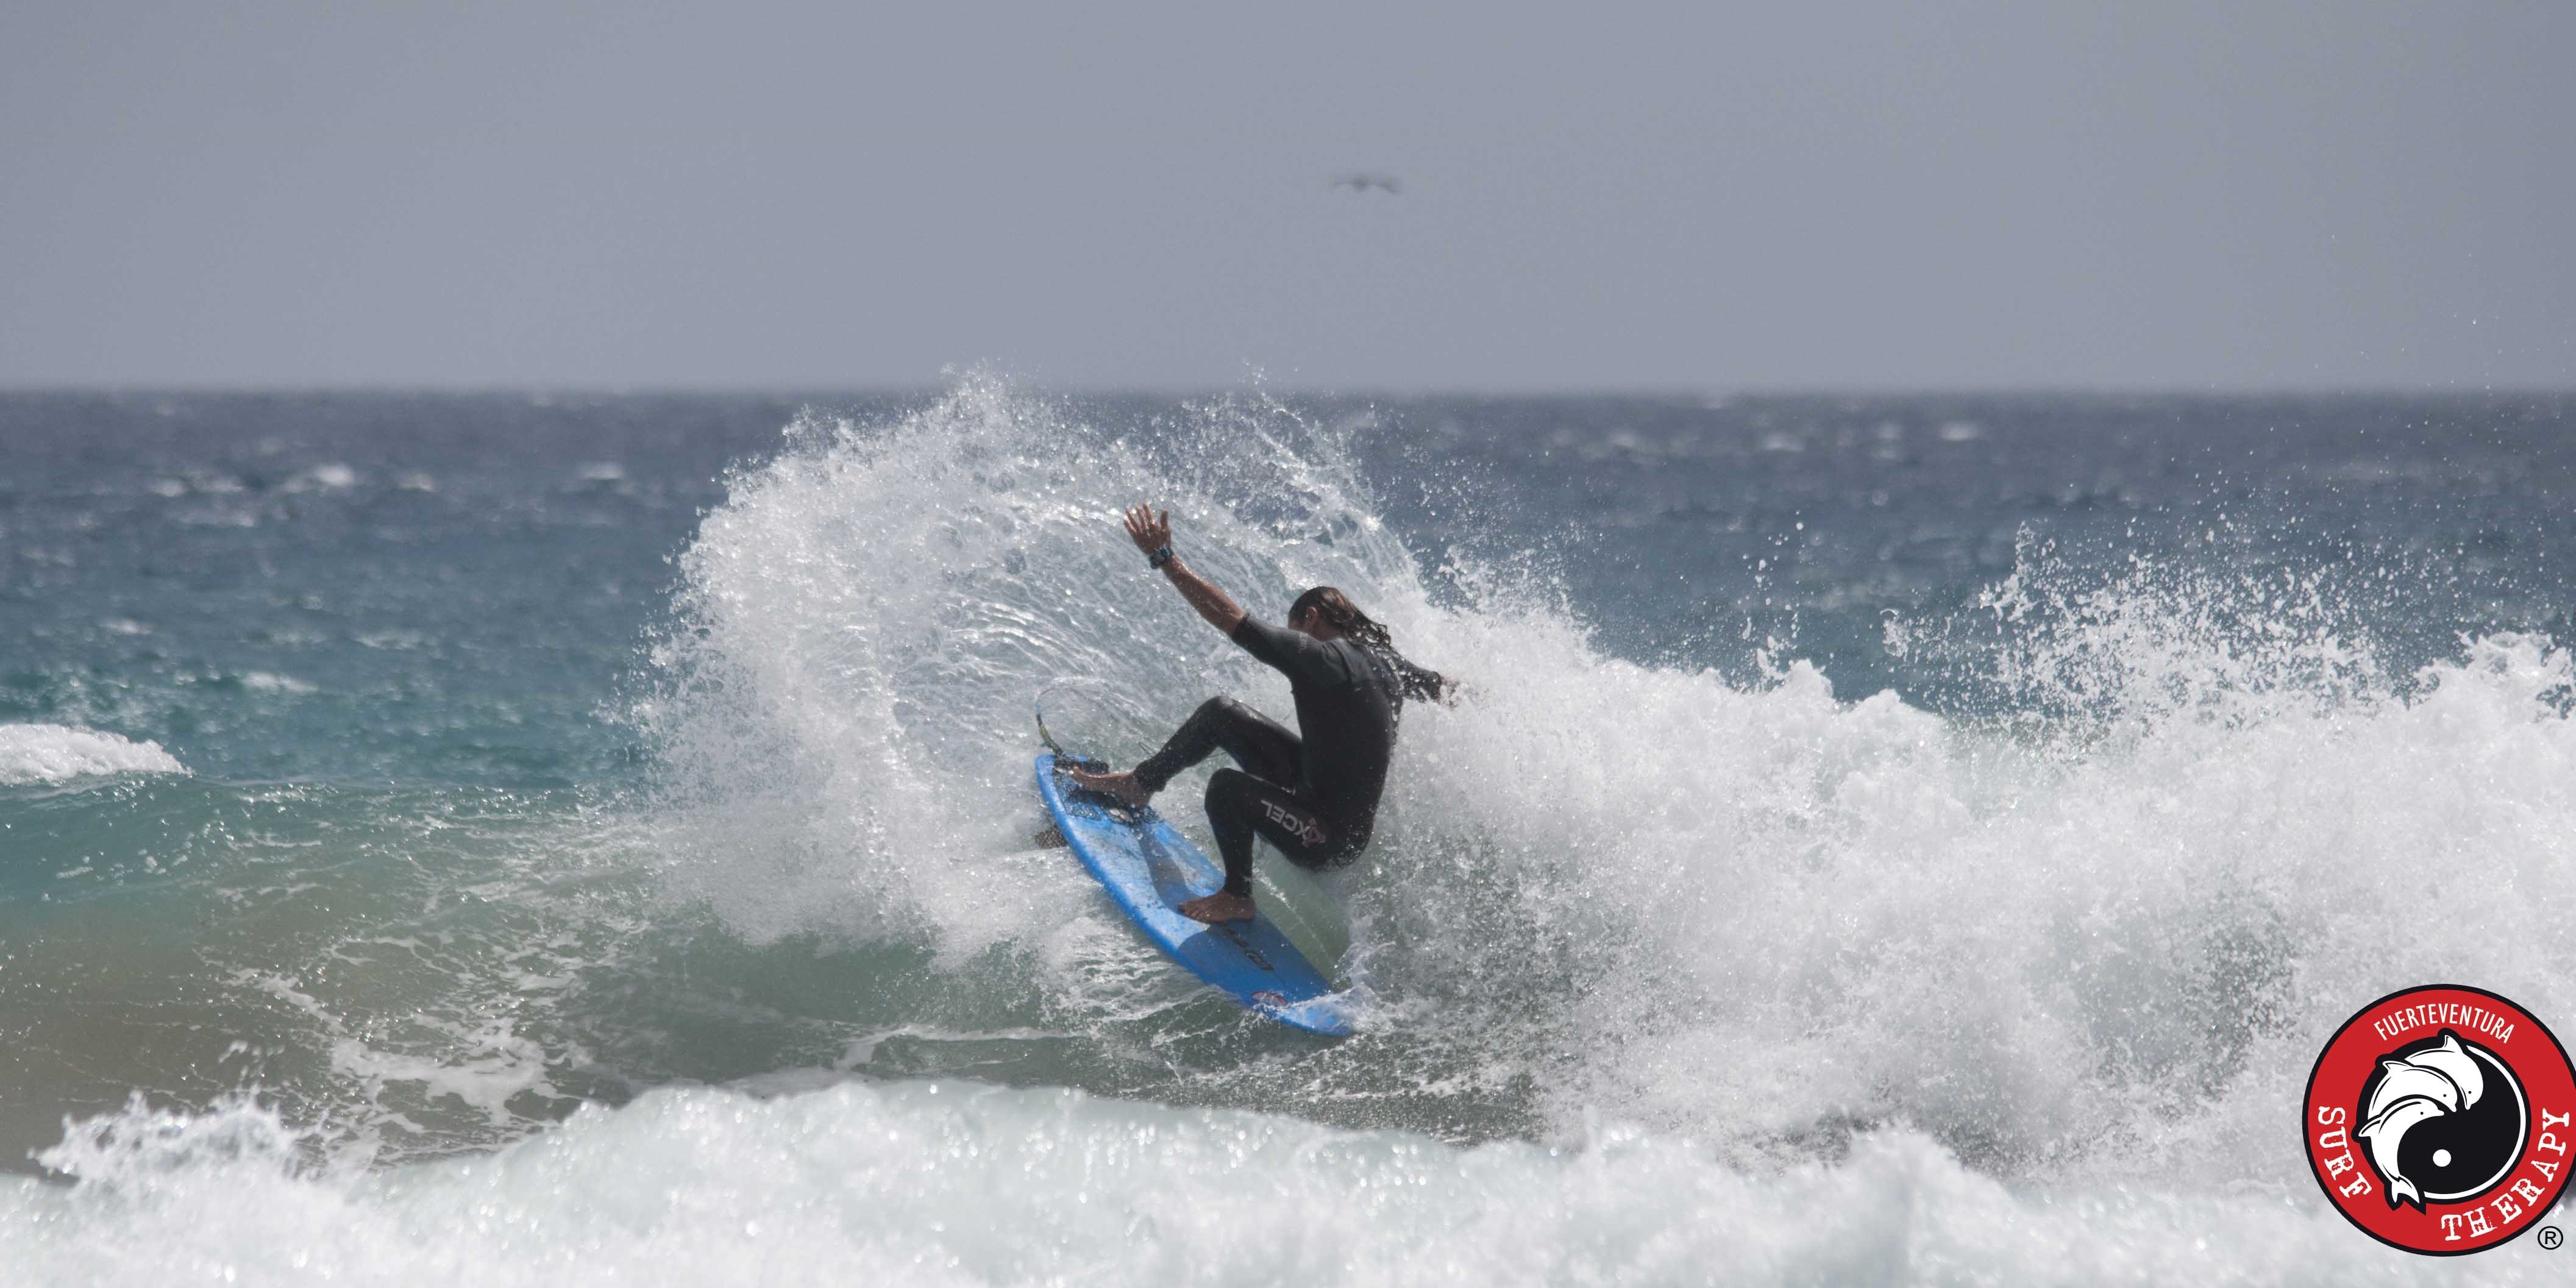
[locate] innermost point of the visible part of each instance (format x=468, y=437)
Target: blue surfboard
x=1149, y=869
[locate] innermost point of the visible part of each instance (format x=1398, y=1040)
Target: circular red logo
x=2438, y=1120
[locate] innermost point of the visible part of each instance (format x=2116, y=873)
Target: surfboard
x=1149, y=870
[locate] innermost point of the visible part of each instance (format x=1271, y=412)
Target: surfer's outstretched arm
x=1152, y=534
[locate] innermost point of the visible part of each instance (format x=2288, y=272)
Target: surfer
x=1315, y=796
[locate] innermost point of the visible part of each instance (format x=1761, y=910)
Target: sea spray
x=843, y=725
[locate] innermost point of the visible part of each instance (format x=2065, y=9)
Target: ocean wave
x=2116, y=917
x=46, y=753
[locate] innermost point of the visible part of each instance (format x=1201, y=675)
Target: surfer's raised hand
x=1150, y=531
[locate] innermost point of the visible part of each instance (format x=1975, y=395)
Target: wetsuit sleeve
x=1418, y=683
x=1294, y=654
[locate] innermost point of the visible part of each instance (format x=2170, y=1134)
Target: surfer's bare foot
x=1218, y=907
x=1123, y=786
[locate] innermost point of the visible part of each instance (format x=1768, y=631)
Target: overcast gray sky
x=1692, y=196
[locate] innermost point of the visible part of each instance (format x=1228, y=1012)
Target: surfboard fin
x=1063, y=759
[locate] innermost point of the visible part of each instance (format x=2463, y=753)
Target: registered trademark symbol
x=2550, y=1238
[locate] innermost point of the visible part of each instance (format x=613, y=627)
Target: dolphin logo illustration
x=2429, y=1084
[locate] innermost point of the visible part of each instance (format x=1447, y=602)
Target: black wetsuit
x=1316, y=797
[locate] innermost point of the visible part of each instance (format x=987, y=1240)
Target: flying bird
x=1363, y=182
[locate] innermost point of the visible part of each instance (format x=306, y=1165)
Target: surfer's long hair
x=1344, y=616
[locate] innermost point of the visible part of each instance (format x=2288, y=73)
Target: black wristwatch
x=1162, y=555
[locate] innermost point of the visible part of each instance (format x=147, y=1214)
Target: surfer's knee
x=1225, y=787
x=1229, y=804
x=1234, y=795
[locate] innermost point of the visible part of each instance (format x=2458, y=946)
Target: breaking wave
x=46, y=753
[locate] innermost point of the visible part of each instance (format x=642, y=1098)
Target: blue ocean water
x=1891, y=839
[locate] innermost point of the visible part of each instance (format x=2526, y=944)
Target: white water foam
x=958, y=1184
x=48, y=753
x=2125, y=938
